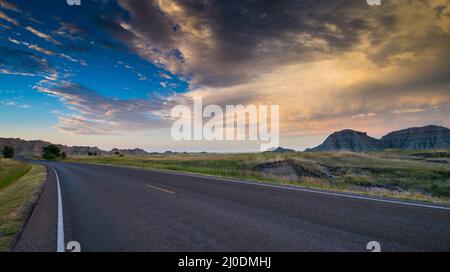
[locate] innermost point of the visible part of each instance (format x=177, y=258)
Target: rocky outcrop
x=22, y=147
x=429, y=137
x=349, y=140
x=416, y=138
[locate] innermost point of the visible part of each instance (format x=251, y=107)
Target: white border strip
x=60, y=230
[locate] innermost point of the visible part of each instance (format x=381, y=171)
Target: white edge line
x=60, y=228
x=309, y=190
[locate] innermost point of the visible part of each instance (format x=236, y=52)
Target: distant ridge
x=415, y=138
x=34, y=148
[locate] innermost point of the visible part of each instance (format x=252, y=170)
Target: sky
x=107, y=73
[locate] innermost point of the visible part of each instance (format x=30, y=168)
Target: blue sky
x=78, y=51
x=106, y=73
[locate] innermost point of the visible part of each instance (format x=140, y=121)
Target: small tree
x=8, y=152
x=63, y=155
x=51, y=152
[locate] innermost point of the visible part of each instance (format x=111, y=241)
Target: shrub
x=8, y=152
x=51, y=152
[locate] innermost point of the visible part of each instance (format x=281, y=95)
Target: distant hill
x=349, y=140
x=131, y=152
x=22, y=147
x=416, y=138
x=281, y=150
x=34, y=148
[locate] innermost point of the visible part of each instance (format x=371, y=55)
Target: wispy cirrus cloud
x=43, y=35
x=94, y=114
x=20, y=62
x=33, y=47
x=45, y=51
x=8, y=18
x=9, y=6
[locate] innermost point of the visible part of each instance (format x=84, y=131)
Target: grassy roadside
x=394, y=174
x=20, y=184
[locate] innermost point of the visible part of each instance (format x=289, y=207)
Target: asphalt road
x=108, y=208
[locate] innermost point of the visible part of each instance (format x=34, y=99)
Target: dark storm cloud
x=224, y=43
x=229, y=42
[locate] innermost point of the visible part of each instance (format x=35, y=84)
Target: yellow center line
x=160, y=189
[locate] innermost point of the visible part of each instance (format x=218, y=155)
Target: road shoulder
x=39, y=233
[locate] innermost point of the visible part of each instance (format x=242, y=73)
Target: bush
x=8, y=152
x=51, y=152
x=63, y=155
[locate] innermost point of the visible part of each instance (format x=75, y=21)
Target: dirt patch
x=282, y=170
x=437, y=154
x=438, y=160
x=292, y=170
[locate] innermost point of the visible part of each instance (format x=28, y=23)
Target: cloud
x=8, y=19
x=6, y=5
x=33, y=47
x=79, y=38
x=330, y=94
x=42, y=35
x=223, y=44
x=19, y=62
x=13, y=103
x=46, y=51
x=409, y=110
x=323, y=62
x=218, y=43
x=328, y=64
x=98, y=115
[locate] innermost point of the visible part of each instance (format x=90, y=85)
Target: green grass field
x=423, y=175
x=20, y=185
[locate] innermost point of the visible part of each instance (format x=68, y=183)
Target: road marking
x=311, y=191
x=60, y=230
x=160, y=189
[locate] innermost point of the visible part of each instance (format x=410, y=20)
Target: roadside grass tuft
x=11, y=171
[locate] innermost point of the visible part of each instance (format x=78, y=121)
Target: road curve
x=110, y=208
